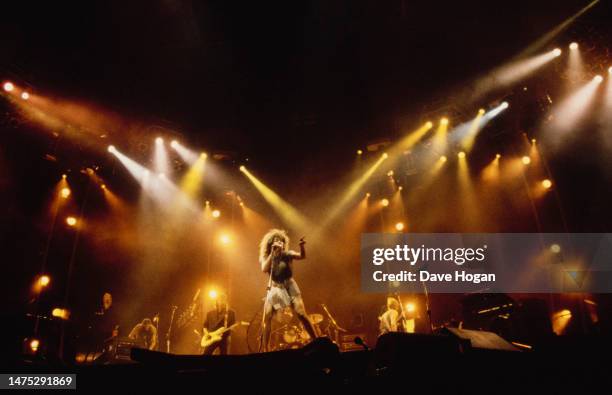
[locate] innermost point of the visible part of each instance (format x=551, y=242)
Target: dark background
x=292, y=89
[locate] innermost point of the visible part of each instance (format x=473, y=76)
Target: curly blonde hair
x=265, y=246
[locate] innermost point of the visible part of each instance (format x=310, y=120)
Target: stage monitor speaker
x=397, y=354
x=478, y=340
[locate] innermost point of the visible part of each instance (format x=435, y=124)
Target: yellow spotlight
x=207, y=202
x=242, y=169
x=103, y=186
x=555, y=248
x=429, y=125
x=25, y=95
x=241, y=204
x=533, y=141
x=390, y=173
x=610, y=69
x=497, y=156
x=216, y=213
x=400, y=188
x=213, y=294
x=573, y=46
x=399, y=226
x=598, y=79
x=174, y=144
x=368, y=194
x=410, y=307
x=8, y=86
x=444, y=121
x=384, y=155
x=547, y=184
x=159, y=140
x=44, y=280
x=60, y=313
x=64, y=176
x=34, y=344
x=557, y=52
x=111, y=149
x=481, y=111
x=71, y=221
x=461, y=155
x=359, y=152
x=384, y=202
x=443, y=158
x=225, y=239
x=65, y=192
x=526, y=160
x=203, y=155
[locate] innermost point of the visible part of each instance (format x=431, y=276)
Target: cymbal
x=316, y=318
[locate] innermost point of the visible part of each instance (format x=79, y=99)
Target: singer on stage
x=276, y=260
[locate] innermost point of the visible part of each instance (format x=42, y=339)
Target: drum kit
x=290, y=334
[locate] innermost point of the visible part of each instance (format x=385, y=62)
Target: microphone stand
x=263, y=313
x=170, y=329
x=427, y=309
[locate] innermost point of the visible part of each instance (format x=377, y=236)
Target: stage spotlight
x=8, y=86
x=242, y=169
x=410, y=307
x=399, y=226
x=103, y=186
x=384, y=155
x=359, y=152
x=598, y=79
x=547, y=184
x=481, y=111
x=34, y=345
x=174, y=144
x=497, y=156
x=400, y=188
x=444, y=121
x=505, y=105
x=71, y=221
x=533, y=141
x=216, y=213
x=225, y=239
x=384, y=202
x=461, y=155
x=44, y=280
x=111, y=149
x=213, y=294
x=555, y=248
x=610, y=69
x=203, y=155
x=25, y=95
x=159, y=140
x=557, y=52
x=526, y=160
x=573, y=46
x=390, y=173
x=65, y=192
x=368, y=194
x=443, y=158
x=60, y=313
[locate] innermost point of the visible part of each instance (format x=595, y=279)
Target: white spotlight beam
x=569, y=112
x=467, y=131
x=186, y=154
x=160, y=161
x=513, y=72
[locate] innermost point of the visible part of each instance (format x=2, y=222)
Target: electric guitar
x=216, y=335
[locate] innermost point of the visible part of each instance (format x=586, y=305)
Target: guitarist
x=221, y=317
